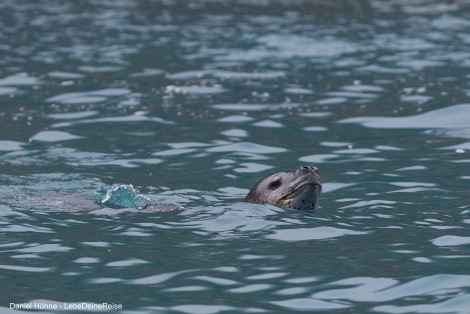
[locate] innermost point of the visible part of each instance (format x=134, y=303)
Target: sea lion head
x=297, y=189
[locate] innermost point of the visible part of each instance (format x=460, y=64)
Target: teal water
x=192, y=103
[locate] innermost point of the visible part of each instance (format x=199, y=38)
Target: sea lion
x=297, y=189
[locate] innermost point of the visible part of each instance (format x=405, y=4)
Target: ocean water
x=190, y=103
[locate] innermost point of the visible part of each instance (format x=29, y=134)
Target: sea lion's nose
x=309, y=168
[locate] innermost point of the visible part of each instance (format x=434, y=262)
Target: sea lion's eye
x=276, y=183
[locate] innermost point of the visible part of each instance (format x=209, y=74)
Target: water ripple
x=318, y=233
x=449, y=118
x=386, y=289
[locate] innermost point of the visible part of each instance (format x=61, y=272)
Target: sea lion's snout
x=307, y=169
x=310, y=174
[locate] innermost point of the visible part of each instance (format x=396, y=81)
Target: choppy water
x=192, y=103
